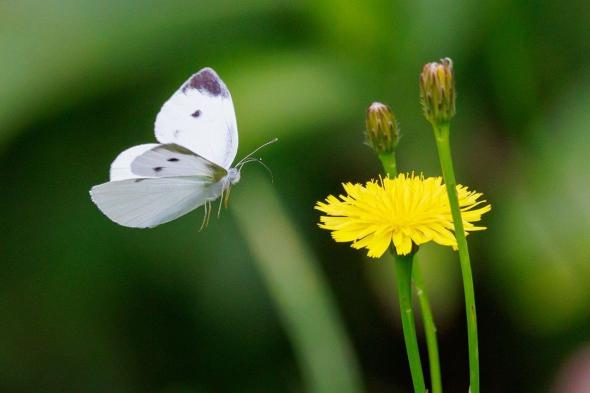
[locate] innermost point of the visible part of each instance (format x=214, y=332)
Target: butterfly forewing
x=173, y=160
x=200, y=117
x=121, y=167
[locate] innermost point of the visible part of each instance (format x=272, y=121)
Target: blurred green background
x=88, y=306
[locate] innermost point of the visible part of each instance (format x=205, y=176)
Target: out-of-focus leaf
x=288, y=93
x=307, y=309
x=541, y=254
x=54, y=55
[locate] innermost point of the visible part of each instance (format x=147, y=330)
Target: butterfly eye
x=196, y=113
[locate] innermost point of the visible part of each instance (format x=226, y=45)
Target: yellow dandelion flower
x=405, y=210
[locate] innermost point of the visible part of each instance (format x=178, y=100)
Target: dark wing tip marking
x=207, y=81
x=196, y=113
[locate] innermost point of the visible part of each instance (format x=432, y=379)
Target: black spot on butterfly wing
x=173, y=159
x=206, y=81
x=158, y=169
x=196, y=113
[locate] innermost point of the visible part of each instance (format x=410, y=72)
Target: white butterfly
x=191, y=166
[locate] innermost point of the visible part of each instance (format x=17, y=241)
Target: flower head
x=382, y=133
x=437, y=91
x=405, y=210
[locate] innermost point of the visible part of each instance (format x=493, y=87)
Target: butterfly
x=155, y=183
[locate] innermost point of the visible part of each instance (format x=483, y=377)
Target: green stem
x=441, y=133
x=429, y=329
x=389, y=163
x=403, y=273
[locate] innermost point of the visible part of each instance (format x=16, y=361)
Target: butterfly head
x=233, y=175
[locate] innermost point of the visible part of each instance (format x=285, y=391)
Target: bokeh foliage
x=88, y=306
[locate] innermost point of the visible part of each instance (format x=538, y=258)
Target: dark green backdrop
x=88, y=306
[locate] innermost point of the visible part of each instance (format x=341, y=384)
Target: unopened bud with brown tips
x=382, y=133
x=437, y=91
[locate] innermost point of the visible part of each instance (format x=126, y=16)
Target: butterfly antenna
x=256, y=150
x=258, y=160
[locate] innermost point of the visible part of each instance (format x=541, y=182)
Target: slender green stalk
x=389, y=163
x=403, y=273
x=441, y=133
x=429, y=329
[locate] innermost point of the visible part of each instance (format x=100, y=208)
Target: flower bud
x=382, y=133
x=437, y=91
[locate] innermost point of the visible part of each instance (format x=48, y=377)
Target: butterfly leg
x=226, y=199
x=207, y=209
x=224, y=191
x=204, y=217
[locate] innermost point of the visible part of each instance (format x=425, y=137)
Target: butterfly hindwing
x=200, y=117
x=148, y=202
